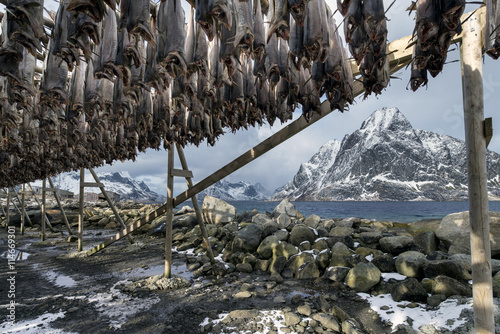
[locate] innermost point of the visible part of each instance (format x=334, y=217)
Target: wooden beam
x=65, y=218
x=93, y=185
x=472, y=87
x=182, y=173
x=80, y=210
x=44, y=218
x=105, y=194
x=23, y=205
x=170, y=207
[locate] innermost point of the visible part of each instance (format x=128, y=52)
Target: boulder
x=216, y=211
x=283, y=220
x=301, y=233
x=308, y=271
x=312, y=221
x=448, y=268
x=496, y=285
x=370, y=237
x=427, y=241
x=187, y=220
x=285, y=207
x=363, y=277
x=285, y=249
x=454, y=231
x=341, y=231
x=266, y=247
x=296, y=261
x=328, y=321
x=247, y=239
x=341, y=255
x=396, y=245
x=409, y=289
x=385, y=263
x=323, y=258
x=336, y=274
x=277, y=265
x=449, y=287
x=320, y=244
x=410, y=264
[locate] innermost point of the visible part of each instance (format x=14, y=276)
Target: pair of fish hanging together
x=436, y=23
x=365, y=29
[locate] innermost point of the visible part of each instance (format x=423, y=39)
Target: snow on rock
x=387, y=159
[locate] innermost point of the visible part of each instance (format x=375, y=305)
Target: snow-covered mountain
x=240, y=191
x=387, y=159
x=121, y=183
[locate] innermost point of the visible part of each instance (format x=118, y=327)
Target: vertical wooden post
x=196, y=206
x=472, y=86
x=80, y=212
x=8, y=206
x=24, y=213
x=44, y=184
x=23, y=188
x=65, y=218
x=170, y=207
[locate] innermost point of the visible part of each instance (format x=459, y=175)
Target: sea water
x=391, y=211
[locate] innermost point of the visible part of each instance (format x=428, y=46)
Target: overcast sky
x=436, y=108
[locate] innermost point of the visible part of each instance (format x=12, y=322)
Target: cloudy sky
x=436, y=108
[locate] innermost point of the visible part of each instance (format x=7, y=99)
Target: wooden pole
x=24, y=213
x=65, y=218
x=8, y=206
x=170, y=207
x=196, y=206
x=80, y=212
x=105, y=194
x=472, y=87
x=44, y=184
x=23, y=208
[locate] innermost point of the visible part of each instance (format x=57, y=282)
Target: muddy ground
x=57, y=290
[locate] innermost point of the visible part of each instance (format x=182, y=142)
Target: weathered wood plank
x=182, y=173
x=472, y=87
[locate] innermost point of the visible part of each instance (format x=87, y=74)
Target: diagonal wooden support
x=22, y=212
x=196, y=206
x=170, y=207
x=80, y=210
x=111, y=204
x=44, y=217
x=65, y=218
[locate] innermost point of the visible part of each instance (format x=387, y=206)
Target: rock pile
x=355, y=252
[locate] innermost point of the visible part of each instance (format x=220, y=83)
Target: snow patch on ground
x=447, y=316
x=39, y=325
x=268, y=320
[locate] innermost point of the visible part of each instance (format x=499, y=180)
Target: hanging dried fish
x=81, y=32
x=200, y=57
x=204, y=18
x=107, y=68
x=280, y=21
x=272, y=62
x=223, y=12
x=298, y=9
x=174, y=61
x=25, y=23
x=259, y=42
x=427, y=21
x=374, y=20
x=418, y=76
x=136, y=18
x=343, y=6
x=296, y=43
x=244, y=20
x=54, y=81
x=492, y=30
x=228, y=53
x=316, y=31
x=451, y=11
x=96, y=9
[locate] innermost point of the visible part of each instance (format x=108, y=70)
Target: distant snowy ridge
x=121, y=183
x=387, y=159
x=240, y=191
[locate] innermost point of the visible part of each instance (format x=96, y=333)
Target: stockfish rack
x=399, y=55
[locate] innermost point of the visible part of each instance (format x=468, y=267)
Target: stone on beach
x=216, y=211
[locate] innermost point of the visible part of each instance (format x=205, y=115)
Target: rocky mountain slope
x=121, y=183
x=240, y=191
x=387, y=159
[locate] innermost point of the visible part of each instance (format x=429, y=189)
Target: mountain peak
x=385, y=118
